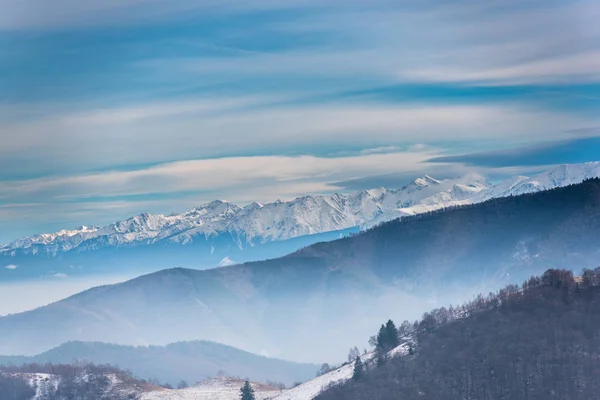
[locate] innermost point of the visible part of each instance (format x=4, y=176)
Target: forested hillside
x=69, y=382
x=539, y=341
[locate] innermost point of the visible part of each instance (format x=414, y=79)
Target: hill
x=62, y=381
x=189, y=361
x=338, y=289
x=537, y=341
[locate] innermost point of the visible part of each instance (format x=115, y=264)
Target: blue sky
x=111, y=108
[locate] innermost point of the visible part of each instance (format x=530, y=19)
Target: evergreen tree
x=246, y=392
x=358, y=369
x=387, y=338
x=382, y=339
x=392, y=334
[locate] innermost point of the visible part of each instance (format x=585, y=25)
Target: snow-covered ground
x=310, y=389
x=221, y=388
x=261, y=223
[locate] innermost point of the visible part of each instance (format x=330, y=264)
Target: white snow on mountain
x=260, y=223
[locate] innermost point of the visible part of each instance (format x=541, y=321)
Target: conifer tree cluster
x=246, y=392
x=387, y=338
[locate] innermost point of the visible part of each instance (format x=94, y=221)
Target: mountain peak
x=425, y=181
x=215, y=204
x=253, y=206
x=258, y=223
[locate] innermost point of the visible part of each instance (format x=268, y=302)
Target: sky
x=16, y=297
x=116, y=107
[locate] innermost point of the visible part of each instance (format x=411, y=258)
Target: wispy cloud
x=570, y=151
x=11, y=266
x=277, y=176
x=104, y=141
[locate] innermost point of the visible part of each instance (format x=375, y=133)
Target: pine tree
x=382, y=339
x=246, y=392
x=392, y=334
x=358, y=369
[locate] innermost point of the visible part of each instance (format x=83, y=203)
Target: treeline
x=537, y=341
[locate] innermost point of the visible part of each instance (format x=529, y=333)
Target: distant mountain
x=338, y=289
x=244, y=226
x=189, y=361
x=535, y=341
x=221, y=233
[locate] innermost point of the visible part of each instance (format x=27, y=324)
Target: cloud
x=570, y=151
x=11, y=266
x=103, y=141
x=60, y=275
x=286, y=175
x=37, y=14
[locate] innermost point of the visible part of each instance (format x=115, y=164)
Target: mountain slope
x=190, y=361
x=205, y=236
x=538, y=341
x=337, y=288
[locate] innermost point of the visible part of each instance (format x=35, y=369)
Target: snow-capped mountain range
x=261, y=223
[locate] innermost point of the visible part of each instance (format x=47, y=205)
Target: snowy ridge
x=310, y=389
x=260, y=223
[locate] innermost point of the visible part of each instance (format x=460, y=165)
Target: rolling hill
x=189, y=361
